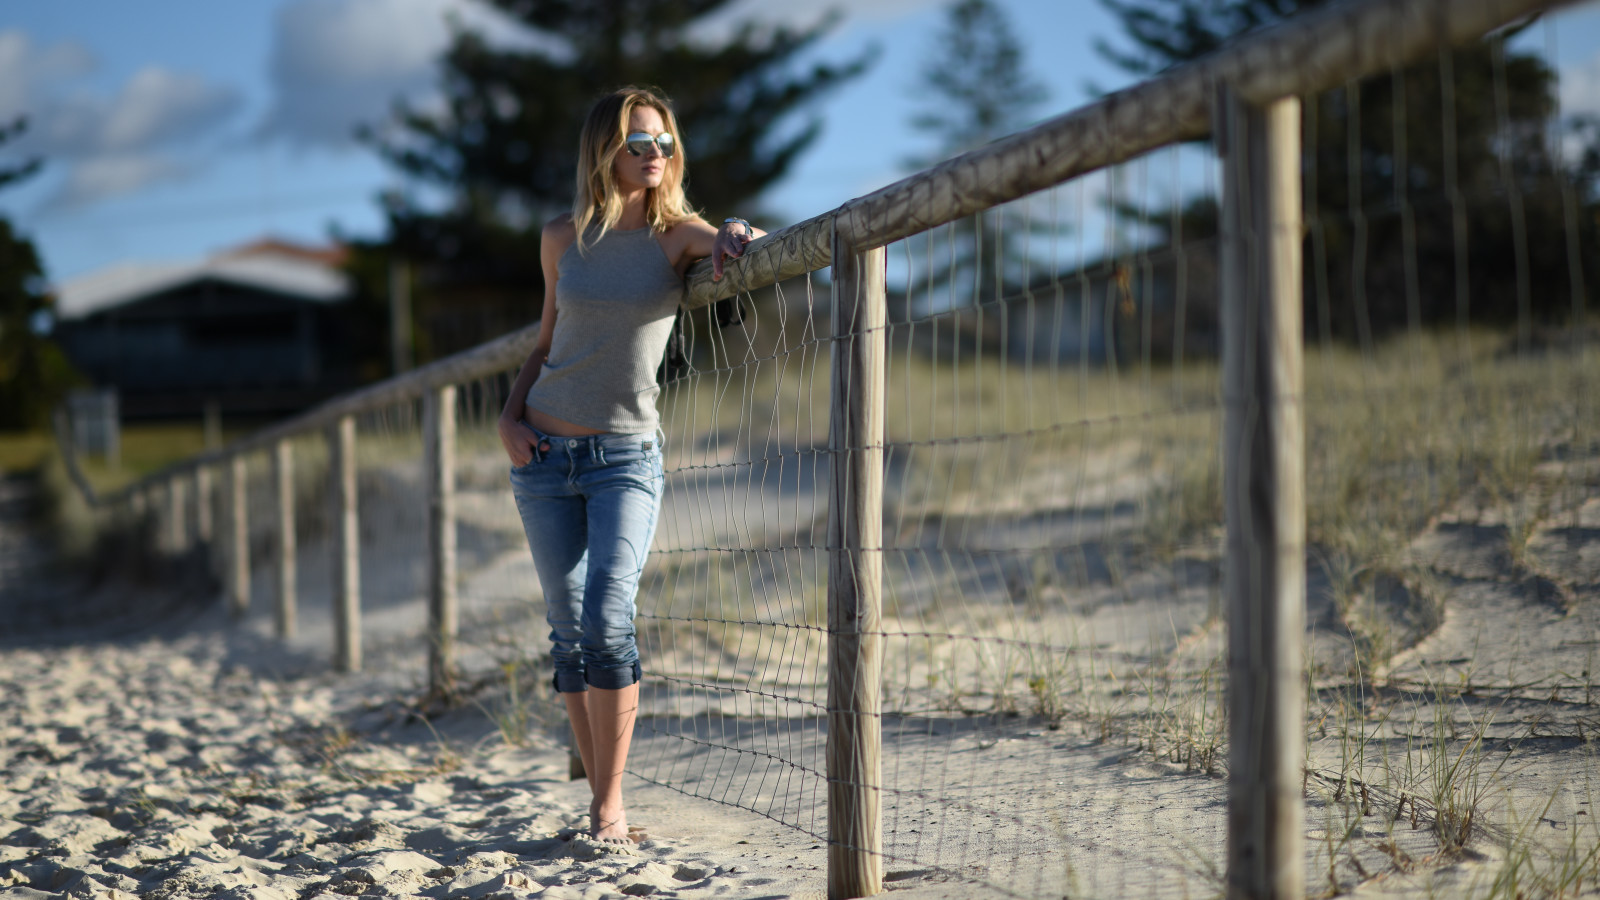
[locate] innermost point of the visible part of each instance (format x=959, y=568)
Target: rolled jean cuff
x=614, y=679
x=570, y=683
x=604, y=679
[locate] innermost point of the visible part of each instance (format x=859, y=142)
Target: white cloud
x=104, y=146
x=26, y=70
x=807, y=12
x=105, y=176
x=337, y=64
x=804, y=14
x=1580, y=88
x=155, y=109
x=159, y=107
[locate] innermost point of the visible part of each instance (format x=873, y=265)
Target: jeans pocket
x=539, y=452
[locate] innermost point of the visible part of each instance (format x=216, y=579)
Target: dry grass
x=1027, y=506
x=983, y=458
x=24, y=451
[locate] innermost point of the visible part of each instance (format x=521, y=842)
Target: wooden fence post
x=283, y=482
x=239, y=535
x=1264, y=484
x=855, y=572
x=176, y=537
x=439, y=462
x=347, y=546
x=203, y=530
x=139, y=509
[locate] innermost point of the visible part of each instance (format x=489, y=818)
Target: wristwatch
x=747, y=229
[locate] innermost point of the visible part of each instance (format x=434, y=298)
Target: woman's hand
x=518, y=439
x=729, y=244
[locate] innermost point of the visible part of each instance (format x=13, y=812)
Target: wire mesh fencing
x=1050, y=506
x=1053, y=677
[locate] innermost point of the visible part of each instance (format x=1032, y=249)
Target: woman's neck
x=635, y=213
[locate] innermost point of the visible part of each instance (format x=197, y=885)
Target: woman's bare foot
x=609, y=825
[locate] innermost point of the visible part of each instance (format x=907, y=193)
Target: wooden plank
x=503, y=354
x=239, y=533
x=176, y=539
x=855, y=573
x=347, y=546
x=439, y=440
x=1264, y=482
x=203, y=500
x=288, y=572
x=1314, y=51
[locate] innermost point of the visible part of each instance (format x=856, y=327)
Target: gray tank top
x=615, y=305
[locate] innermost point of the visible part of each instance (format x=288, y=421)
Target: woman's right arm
x=514, y=433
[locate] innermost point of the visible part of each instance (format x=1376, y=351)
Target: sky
x=172, y=129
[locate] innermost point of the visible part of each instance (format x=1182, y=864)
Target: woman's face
x=637, y=172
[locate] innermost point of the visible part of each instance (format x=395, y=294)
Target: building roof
x=300, y=272
x=327, y=254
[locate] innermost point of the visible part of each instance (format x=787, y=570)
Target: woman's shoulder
x=560, y=226
x=558, y=234
x=687, y=233
x=689, y=225
x=685, y=241
x=560, y=229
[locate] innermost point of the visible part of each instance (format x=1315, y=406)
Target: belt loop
x=597, y=449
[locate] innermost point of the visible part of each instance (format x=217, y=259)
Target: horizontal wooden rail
x=1308, y=53
x=499, y=355
x=1313, y=52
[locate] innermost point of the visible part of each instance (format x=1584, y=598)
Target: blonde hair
x=598, y=202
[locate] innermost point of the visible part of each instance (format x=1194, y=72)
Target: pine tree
x=974, y=85
x=1454, y=165
x=974, y=89
x=34, y=375
x=504, y=145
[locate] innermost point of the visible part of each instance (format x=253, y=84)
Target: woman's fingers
x=730, y=248
x=521, y=453
x=518, y=439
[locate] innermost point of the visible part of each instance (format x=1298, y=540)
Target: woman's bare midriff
x=548, y=424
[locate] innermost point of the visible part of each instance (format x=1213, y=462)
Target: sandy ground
x=191, y=756
x=167, y=765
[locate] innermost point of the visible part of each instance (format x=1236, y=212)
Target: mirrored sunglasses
x=639, y=143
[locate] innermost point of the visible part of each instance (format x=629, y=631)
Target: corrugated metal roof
x=117, y=285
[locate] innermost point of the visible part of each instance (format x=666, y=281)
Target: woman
x=580, y=424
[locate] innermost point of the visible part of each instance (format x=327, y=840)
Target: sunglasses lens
x=639, y=144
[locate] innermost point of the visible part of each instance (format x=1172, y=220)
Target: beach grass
x=991, y=617
x=24, y=451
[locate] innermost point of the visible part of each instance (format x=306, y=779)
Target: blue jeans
x=589, y=507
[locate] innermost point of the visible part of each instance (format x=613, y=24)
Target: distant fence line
x=1242, y=95
x=1313, y=52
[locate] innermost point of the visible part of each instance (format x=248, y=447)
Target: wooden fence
x=1242, y=96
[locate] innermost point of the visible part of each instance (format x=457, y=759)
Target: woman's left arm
x=720, y=244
